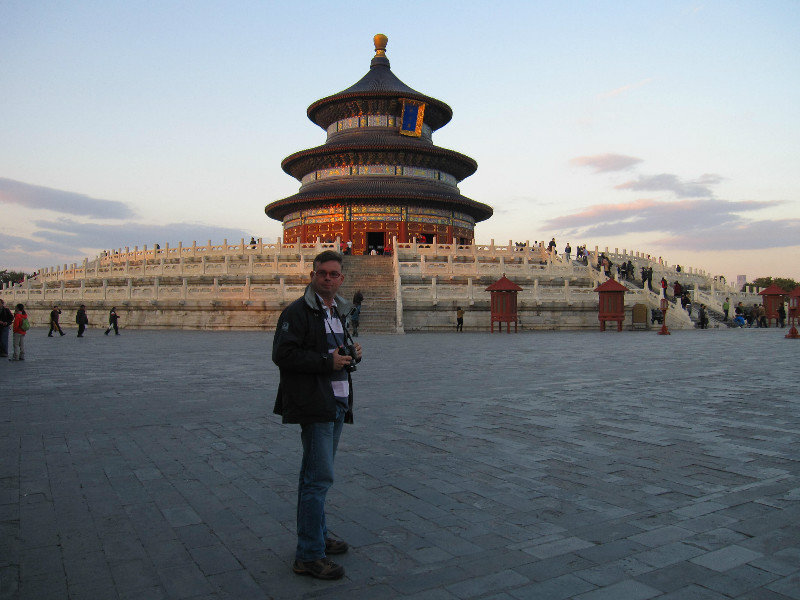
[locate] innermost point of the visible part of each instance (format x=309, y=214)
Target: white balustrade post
x=567, y=295
x=226, y=261
x=184, y=289
x=130, y=288
x=155, y=288
x=434, y=290
x=247, y=288
x=105, y=288
x=62, y=291
x=470, y=291
x=83, y=289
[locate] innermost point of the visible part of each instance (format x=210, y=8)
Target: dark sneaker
x=333, y=546
x=320, y=569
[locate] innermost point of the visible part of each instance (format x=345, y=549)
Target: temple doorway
x=375, y=241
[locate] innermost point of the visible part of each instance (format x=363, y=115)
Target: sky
x=671, y=128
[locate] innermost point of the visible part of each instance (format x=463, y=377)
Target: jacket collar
x=311, y=300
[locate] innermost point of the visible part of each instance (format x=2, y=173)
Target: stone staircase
x=374, y=276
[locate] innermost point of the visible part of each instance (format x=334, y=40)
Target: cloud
x=707, y=224
x=73, y=234
x=67, y=241
x=625, y=88
x=603, y=163
x=667, y=182
x=71, y=203
x=753, y=235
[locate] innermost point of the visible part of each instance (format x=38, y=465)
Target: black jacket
x=300, y=349
x=81, y=318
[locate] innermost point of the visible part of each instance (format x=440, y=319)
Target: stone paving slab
x=541, y=465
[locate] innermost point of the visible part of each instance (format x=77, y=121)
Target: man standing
x=6, y=319
x=82, y=320
x=54, y=326
x=315, y=391
x=726, y=306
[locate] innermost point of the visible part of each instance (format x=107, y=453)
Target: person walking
x=567, y=251
x=112, y=321
x=81, y=319
x=20, y=328
x=6, y=321
x=355, y=313
x=459, y=319
x=310, y=348
x=703, y=316
x=54, y=326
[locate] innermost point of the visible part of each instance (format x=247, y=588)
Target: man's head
x=327, y=276
x=83, y=306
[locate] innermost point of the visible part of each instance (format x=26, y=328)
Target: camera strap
x=334, y=314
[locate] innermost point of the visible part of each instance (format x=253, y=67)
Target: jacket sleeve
x=294, y=347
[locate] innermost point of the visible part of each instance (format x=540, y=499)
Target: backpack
x=25, y=325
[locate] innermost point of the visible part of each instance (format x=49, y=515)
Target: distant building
x=379, y=175
x=741, y=280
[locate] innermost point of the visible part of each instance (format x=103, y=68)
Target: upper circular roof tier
x=370, y=150
x=377, y=93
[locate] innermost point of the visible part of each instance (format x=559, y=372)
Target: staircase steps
x=374, y=276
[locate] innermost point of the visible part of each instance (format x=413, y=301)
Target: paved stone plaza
x=618, y=466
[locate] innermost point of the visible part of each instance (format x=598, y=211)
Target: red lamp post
x=664, y=306
x=794, y=313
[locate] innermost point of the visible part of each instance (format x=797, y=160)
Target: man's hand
x=358, y=350
x=340, y=360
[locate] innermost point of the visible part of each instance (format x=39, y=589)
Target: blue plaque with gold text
x=413, y=116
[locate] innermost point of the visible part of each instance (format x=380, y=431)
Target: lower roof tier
x=381, y=190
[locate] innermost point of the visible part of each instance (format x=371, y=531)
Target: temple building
x=379, y=175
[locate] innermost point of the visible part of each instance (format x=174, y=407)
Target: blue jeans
x=320, y=441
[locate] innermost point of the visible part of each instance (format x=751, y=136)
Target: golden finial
x=380, y=44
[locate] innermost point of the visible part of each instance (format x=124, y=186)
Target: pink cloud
x=603, y=163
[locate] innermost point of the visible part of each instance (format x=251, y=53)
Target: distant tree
x=12, y=276
x=781, y=282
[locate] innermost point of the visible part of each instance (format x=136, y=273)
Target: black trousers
x=54, y=326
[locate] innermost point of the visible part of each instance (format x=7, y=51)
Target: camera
x=349, y=350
